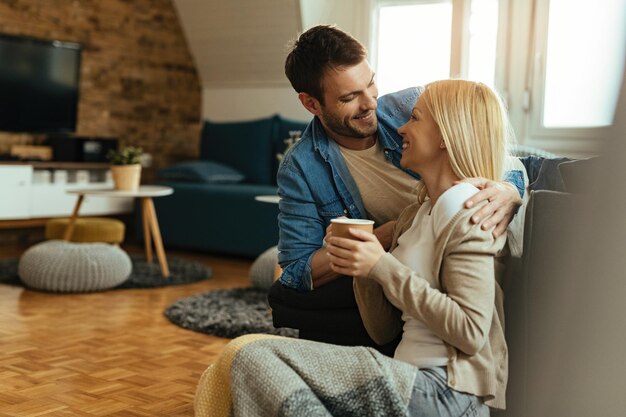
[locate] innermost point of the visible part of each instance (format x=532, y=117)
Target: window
x=483, y=36
x=557, y=63
x=583, y=65
x=574, y=71
x=413, y=45
x=416, y=42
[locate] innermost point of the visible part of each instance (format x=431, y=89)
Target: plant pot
x=126, y=177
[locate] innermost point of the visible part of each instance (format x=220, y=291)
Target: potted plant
x=125, y=167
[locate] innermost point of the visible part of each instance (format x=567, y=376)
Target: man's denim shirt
x=315, y=186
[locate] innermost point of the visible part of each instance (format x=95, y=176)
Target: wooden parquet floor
x=104, y=354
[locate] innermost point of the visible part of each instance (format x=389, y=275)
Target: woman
x=439, y=277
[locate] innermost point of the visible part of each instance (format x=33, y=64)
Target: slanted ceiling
x=239, y=43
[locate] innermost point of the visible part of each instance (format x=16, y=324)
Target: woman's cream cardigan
x=467, y=313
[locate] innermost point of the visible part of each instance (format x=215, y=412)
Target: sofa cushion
x=210, y=172
x=579, y=175
x=218, y=218
x=543, y=173
x=245, y=146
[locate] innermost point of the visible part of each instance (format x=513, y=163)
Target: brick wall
x=138, y=81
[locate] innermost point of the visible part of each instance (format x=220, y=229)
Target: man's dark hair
x=320, y=48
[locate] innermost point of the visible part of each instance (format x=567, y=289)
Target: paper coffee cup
x=341, y=226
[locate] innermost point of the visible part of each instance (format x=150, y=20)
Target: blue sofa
x=219, y=213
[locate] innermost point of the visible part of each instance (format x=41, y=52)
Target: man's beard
x=345, y=128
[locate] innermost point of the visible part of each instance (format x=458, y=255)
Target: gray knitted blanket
x=262, y=375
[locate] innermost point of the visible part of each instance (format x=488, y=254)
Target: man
x=348, y=160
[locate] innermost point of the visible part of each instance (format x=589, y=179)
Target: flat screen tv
x=38, y=85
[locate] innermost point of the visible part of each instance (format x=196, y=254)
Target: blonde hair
x=474, y=126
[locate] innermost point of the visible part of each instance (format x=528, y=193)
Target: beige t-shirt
x=385, y=189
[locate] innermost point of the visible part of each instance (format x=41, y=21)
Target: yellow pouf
x=89, y=229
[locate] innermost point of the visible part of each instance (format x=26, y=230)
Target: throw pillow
x=201, y=171
x=246, y=146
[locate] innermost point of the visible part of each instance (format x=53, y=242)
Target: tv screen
x=38, y=85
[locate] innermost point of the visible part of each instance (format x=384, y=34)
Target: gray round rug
x=226, y=313
x=144, y=274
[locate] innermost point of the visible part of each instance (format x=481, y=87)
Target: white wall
x=237, y=104
x=353, y=16
x=239, y=43
x=254, y=96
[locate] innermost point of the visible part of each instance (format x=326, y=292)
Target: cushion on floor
x=87, y=229
x=264, y=270
x=60, y=266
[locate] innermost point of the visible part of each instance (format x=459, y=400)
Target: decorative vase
x=126, y=177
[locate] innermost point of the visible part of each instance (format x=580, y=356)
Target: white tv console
x=39, y=190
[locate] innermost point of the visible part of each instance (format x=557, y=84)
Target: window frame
x=459, y=39
x=520, y=69
x=459, y=36
x=576, y=139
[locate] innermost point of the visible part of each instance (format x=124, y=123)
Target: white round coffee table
x=274, y=199
x=151, y=229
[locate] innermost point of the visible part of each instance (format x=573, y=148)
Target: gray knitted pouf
x=263, y=268
x=60, y=266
